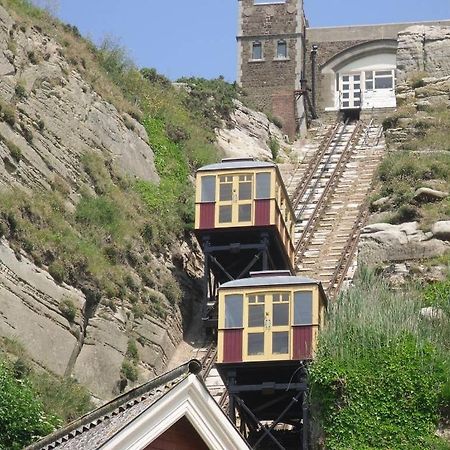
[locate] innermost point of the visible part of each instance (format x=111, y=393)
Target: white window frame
x=286, y=56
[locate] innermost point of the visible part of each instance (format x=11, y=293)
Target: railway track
x=331, y=204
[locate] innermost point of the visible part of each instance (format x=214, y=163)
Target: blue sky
x=197, y=37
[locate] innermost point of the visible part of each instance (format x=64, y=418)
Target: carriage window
x=245, y=213
x=256, y=310
x=280, y=309
x=225, y=214
x=303, y=308
x=234, y=311
x=280, y=342
x=255, y=344
x=263, y=185
x=209, y=188
x=226, y=188
x=245, y=187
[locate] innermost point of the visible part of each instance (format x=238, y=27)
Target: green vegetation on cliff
x=382, y=374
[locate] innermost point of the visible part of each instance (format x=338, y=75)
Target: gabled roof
x=138, y=417
x=237, y=165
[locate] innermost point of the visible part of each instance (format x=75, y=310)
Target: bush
x=68, y=309
x=380, y=372
x=274, y=147
x=22, y=415
x=129, y=370
x=14, y=150
x=20, y=91
x=7, y=113
x=57, y=271
x=132, y=351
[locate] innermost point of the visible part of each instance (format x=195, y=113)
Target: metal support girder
x=237, y=389
x=257, y=422
x=279, y=418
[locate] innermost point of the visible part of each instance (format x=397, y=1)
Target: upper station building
x=289, y=69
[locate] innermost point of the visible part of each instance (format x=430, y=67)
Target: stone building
x=289, y=69
x=271, y=58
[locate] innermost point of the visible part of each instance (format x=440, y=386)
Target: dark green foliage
x=57, y=271
x=132, y=351
x=68, y=309
x=22, y=414
x=150, y=74
x=406, y=213
x=20, y=91
x=381, y=372
x=129, y=370
x=211, y=99
x=274, y=147
x=15, y=151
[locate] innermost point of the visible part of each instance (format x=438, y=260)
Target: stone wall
x=268, y=80
x=333, y=41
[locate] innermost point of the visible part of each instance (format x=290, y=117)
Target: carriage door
x=267, y=330
x=350, y=91
x=235, y=200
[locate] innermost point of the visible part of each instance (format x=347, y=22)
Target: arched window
x=282, y=49
x=257, y=52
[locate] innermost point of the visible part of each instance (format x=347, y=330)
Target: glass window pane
x=383, y=73
x=384, y=83
x=345, y=104
x=208, y=189
x=245, y=190
x=225, y=214
x=369, y=84
x=369, y=75
x=280, y=342
x=357, y=104
x=303, y=308
x=345, y=87
x=226, y=191
x=263, y=185
x=256, y=316
x=285, y=297
x=357, y=87
x=280, y=314
x=281, y=49
x=245, y=213
x=234, y=311
x=356, y=77
x=346, y=95
x=345, y=78
x=255, y=344
x=357, y=94
x=256, y=50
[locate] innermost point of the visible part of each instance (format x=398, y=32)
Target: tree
x=22, y=418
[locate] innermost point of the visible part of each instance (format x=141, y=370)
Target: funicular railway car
x=268, y=326
x=244, y=220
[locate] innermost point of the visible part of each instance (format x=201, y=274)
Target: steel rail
x=313, y=165
x=309, y=229
x=208, y=360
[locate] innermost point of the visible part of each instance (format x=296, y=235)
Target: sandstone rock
x=64, y=116
x=441, y=230
x=432, y=313
x=383, y=201
x=386, y=242
x=249, y=134
x=423, y=49
x=424, y=195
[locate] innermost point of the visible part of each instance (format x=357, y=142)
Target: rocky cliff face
x=423, y=49
x=50, y=118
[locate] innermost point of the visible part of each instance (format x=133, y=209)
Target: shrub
x=22, y=414
x=14, y=150
x=380, y=372
x=20, y=90
x=7, y=113
x=132, y=351
x=274, y=147
x=153, y=76
x=68, y=309
x=57, y=271
x=129, y=370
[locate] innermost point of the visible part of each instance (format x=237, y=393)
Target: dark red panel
x=207, y=211
x=181, y=436
x=232, y=345
x=302, y=342
x=262, y=212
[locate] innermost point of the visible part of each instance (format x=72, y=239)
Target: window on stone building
x=257, y=50
x=281, y=50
